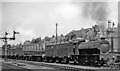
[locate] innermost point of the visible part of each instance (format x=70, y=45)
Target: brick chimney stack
x=119, y=26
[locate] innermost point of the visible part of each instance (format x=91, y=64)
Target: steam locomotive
x=92, y=53
x=80, y=52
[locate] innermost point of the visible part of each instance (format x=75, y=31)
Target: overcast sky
x=38, y=19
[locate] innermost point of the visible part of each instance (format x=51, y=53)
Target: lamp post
x=5, y=38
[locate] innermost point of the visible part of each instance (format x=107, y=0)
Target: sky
x=38, y=19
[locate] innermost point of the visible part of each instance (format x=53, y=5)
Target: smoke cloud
x=97, y=11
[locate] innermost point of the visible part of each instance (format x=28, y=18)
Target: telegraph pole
x=5, y=38
x=56, y=32
x=56, y=37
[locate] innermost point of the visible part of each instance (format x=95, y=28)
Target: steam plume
x=97, y=11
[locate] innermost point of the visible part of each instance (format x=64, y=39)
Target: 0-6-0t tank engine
x=92, y=53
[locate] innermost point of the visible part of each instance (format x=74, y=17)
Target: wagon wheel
x=56, y=60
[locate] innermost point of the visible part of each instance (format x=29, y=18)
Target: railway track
x=10, y=67
x=64, y=67
x=58, y=67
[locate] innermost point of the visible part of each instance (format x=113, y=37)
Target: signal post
x=5, y=39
